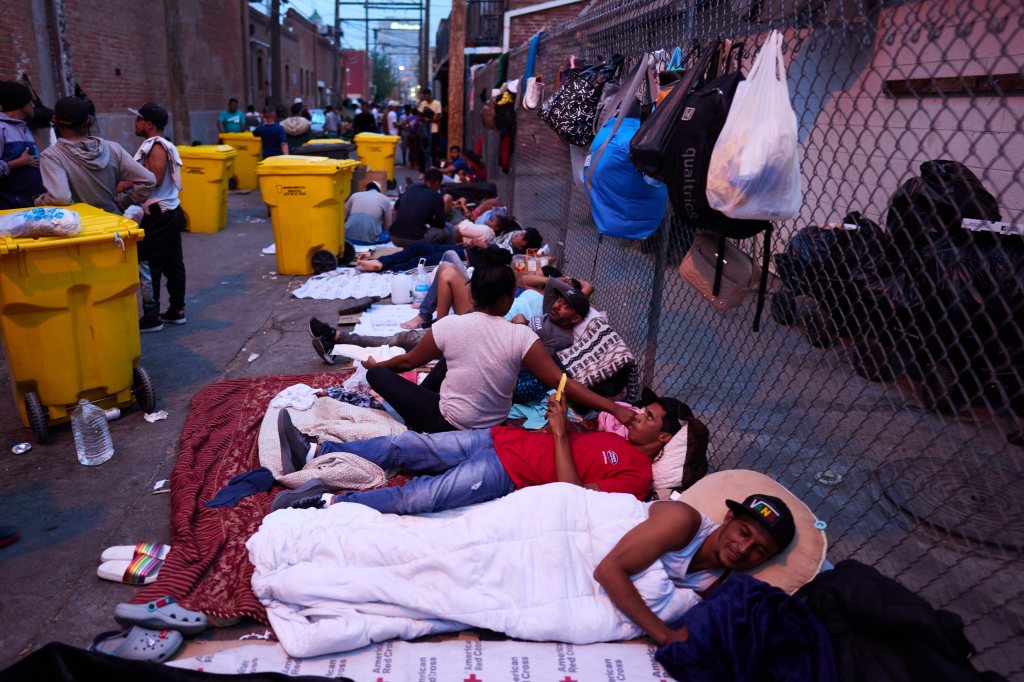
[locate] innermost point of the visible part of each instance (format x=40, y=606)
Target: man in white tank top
x=696, y=553
x=160, y=253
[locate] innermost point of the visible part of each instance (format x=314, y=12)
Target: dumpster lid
x=325, y=140
x=234, y=136
x=208, y=151
x=97, y=225
x=303, y=165
x=376, y=137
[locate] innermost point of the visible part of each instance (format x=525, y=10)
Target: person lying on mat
x=696, y=553
x=449, y=293
x=472, y=466
x=480, y=355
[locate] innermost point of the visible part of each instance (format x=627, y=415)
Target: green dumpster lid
x=303, y=165
x=376, y=137
x=97, y=225
x=208, y=151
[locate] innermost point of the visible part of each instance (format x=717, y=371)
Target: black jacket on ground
x=882, y=631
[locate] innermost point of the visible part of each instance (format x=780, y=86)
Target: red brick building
x=188, y=55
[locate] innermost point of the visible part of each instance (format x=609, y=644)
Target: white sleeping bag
x=338, y=579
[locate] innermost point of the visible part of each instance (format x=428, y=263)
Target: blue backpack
x=624, y=202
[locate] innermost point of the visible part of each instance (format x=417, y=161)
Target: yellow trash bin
x=306, y=196
x=377, y=151
x=250, y=153
x=204, y=178
x=69, y=321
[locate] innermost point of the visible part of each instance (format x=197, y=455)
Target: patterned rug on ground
x=208, y=566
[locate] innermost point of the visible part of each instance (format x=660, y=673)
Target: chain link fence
x=885, y=386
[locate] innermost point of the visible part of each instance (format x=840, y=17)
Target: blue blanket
x=749, y=630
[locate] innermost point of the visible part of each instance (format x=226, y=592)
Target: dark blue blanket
x=749, y=630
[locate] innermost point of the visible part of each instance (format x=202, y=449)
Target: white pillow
x=668, y=467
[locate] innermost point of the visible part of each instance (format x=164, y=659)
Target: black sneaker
x=294, y=444
x=320, y=330
x=150, y=324
x=174, y=316
x=309, y=495
x=323, y=351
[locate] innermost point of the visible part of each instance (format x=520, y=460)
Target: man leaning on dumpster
x=81, y=168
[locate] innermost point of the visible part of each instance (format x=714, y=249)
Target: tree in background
x=385, y=81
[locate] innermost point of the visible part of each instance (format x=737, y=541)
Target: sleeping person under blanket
x=550, y=562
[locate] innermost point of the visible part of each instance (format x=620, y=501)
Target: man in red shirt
x=467, y=467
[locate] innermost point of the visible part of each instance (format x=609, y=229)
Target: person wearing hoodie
x=20, y=179
x=297, y=127
x=163, y=220
x=85, y=169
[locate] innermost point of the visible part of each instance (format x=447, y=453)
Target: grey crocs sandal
x=139, y=644
x=162, y=614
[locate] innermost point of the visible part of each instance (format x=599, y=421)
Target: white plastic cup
x=401, y=288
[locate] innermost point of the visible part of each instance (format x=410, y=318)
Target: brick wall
x=522, y=28
x=18, y=51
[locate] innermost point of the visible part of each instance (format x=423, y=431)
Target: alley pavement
x=242, y=322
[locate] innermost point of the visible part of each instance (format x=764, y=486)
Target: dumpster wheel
x=142, y=389
x=37, y=416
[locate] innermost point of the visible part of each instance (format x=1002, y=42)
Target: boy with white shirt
x=160, y=253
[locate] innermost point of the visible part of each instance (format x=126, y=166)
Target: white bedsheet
x=337, y=579
x=345, y=283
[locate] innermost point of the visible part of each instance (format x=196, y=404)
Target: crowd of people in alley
x=505, y=333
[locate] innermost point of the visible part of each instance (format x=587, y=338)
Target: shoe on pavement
x=309, y=495
x=150, y=324
x=294, y=444
x=320, y=330
x=323, y=350
x=174, y=316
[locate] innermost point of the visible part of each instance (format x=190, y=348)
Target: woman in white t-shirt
x=480, y=356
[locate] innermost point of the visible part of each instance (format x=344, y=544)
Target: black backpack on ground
x=932, y=205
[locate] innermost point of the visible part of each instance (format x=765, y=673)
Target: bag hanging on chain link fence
x=755, y=166
x=570, y=112
x=649, y=148
x=624, y=204
x=719, y=271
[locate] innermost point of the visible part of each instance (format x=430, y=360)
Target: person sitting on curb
x=473, y=466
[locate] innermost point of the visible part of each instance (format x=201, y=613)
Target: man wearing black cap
x=160, y=251
x=20, y=179
x=696, y=553
x=471, y=466
x=80, y=168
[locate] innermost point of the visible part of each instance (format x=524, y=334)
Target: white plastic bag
x=41, y=222
x=754, y=172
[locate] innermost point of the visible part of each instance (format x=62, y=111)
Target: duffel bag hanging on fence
x=755, y=166
x=571, y=110
x=623, y=203
x=650, y=146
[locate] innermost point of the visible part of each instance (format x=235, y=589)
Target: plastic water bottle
x=422, y=286
x=92, y=435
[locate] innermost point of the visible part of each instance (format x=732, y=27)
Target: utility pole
x=276, y=93
x=335, y=87
x=457, y=72
x=248, y=95
x=176, y=60
x=369, y=63
x=425, y=58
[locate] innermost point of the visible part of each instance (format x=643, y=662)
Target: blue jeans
x=464, y=465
